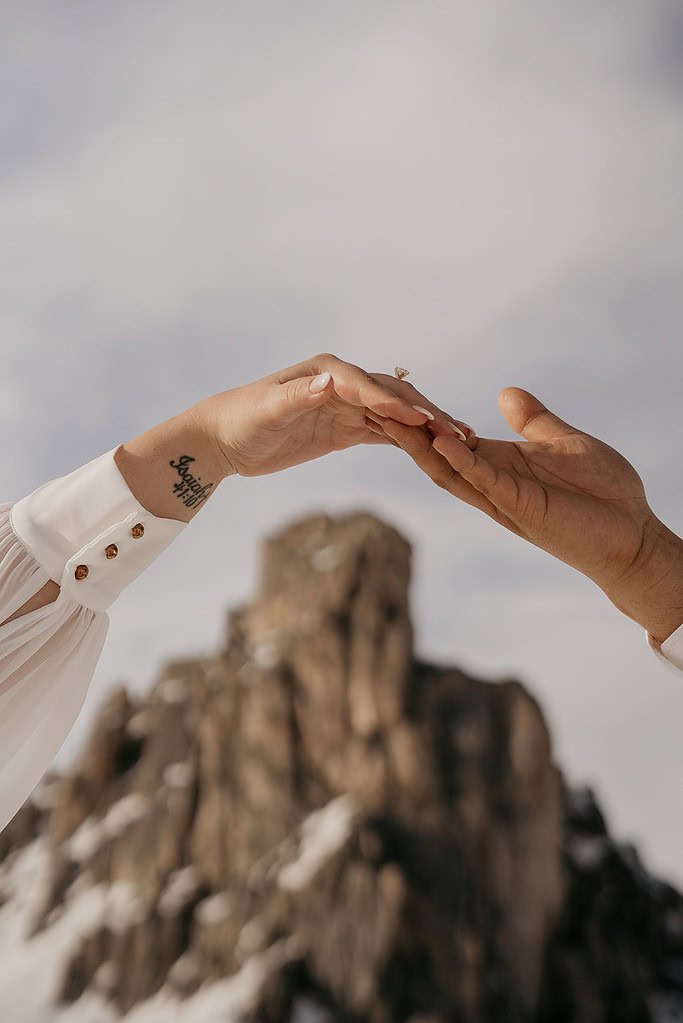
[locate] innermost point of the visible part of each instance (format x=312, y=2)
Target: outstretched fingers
x=438, y=421
x=380, y=394
x=357, y=387
x=378, y=398
x=416, y=443
x=497, y=486
x=351, y=383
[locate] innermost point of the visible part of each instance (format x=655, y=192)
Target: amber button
x=137, y=531
x=81, y=572
x=111, y=551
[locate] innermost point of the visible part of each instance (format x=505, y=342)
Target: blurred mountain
x=313, y=827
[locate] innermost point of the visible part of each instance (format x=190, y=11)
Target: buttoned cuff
x=671, y=650
x=89, y=533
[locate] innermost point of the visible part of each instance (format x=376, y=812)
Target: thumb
x=298, y=396
x=530, y=418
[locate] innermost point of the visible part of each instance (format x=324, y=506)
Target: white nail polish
x=319, y=383
x=455, y=429
x=425, y=411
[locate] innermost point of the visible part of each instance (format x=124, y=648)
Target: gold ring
x=400, y=372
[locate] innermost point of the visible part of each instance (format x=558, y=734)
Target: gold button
x=137, y=531
x=111, y=551
x=81, y=572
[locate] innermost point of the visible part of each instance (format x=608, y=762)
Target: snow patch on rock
x=179, y=775
x=92, y=834
x=180, y=889
x=214, y=910
x=327, y=558
x=322, y=834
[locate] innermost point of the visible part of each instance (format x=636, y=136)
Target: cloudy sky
x=195, y=195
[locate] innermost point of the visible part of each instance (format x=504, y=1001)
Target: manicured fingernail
x=319, y=383
x=471, y=432
x=424, y=411
x=454, y=428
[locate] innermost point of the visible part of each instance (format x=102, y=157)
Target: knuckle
x=292, y=390
x=531, y=419
x=446, y=479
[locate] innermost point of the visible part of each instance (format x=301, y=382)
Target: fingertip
x=512, y=398
x=424, y=412
x=528, y=416
x=508, y=394
x=444, y=443
x=320, y=384
x=456, y=452
x=411, y=415
x=407, y=437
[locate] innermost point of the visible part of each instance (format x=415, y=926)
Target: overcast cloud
x=195, y=195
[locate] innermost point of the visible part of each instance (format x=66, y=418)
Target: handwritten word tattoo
x=189, y=489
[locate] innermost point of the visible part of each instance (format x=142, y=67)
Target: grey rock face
x=385, y=840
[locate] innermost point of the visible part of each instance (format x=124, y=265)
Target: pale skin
x=298, y=414
x=569, y=494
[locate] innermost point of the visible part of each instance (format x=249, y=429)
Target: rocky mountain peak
x=313, y=827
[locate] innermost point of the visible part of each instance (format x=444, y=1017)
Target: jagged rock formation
x=344, y=833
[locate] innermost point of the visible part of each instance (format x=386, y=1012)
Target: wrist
x=172, y=469
x=651, y=589
x=208, y=416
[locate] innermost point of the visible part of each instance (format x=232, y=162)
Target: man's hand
x=568, y=493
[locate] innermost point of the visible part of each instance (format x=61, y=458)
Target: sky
x=193, y=196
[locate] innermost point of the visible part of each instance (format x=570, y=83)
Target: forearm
x=651, y=592
x=174, y=468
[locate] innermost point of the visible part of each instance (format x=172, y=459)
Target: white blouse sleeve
x=89, y=534
x=671, y=650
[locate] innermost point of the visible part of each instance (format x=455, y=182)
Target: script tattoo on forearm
x=189, y=488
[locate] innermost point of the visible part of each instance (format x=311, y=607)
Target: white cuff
x=89, y=533
x=671, y=650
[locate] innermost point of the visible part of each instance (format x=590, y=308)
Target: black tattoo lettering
x=189, y=489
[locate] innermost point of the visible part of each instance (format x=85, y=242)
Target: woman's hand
x=306, y=411
x=303, y=412
x=570, y=494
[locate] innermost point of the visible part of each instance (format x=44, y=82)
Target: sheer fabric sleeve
x=88, y=533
